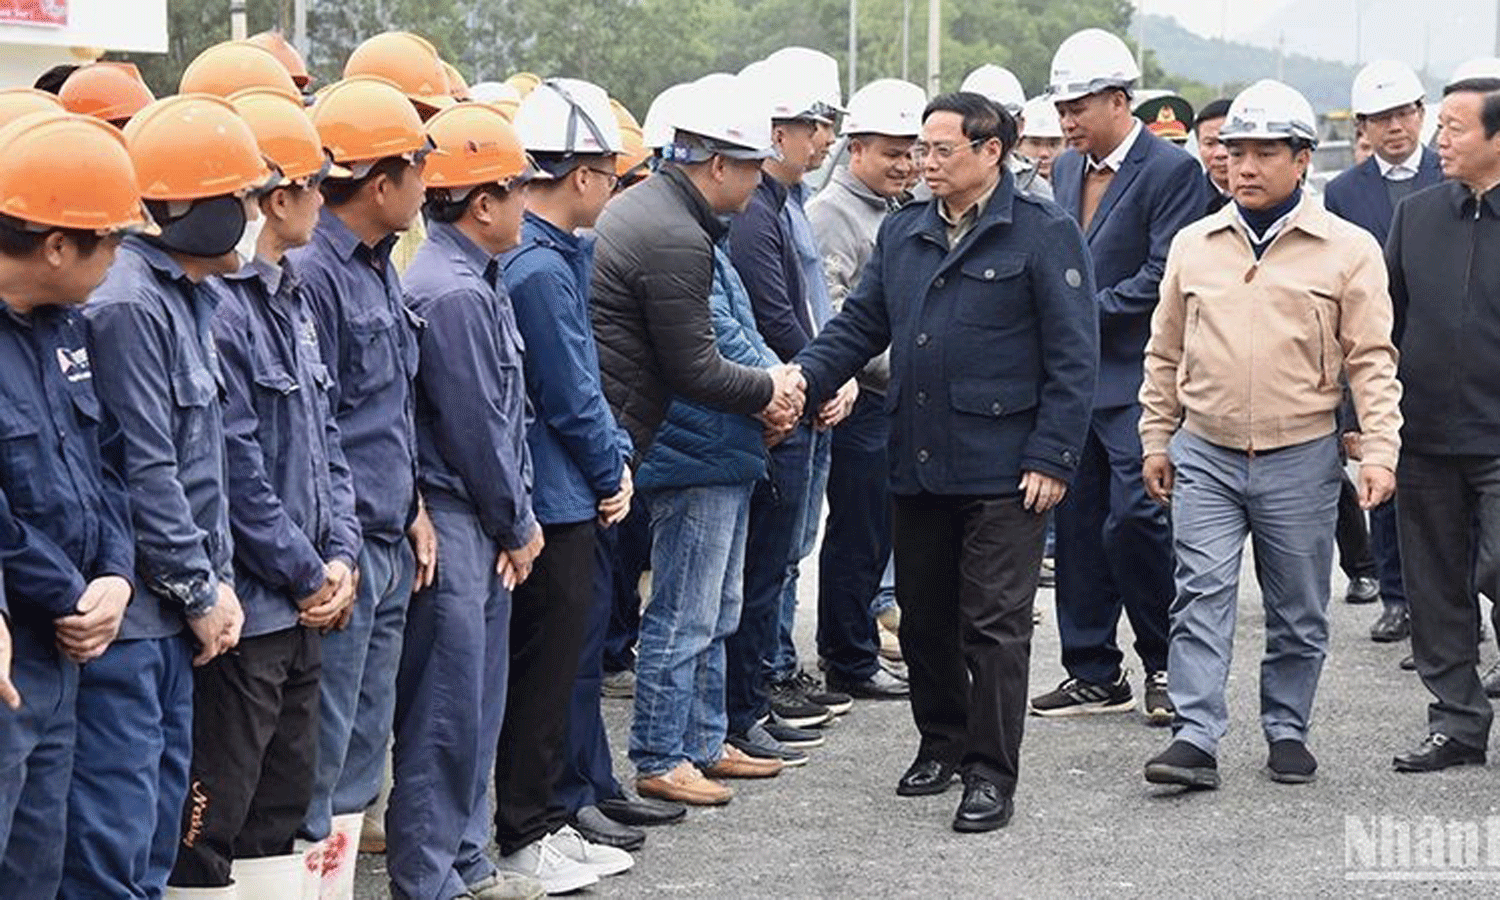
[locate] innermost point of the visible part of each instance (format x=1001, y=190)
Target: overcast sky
x=1442, y=32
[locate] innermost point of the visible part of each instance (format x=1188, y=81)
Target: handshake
x=787, y=400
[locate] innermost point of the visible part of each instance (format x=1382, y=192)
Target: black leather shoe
x=1290, y=762
x=1438, y=752
x=629, y=810
x=926, y=776
x=1393, y=625
x=597, y=828
x=1409, y=663
x=1362, y=589
x=880, y=686
x=983, y=807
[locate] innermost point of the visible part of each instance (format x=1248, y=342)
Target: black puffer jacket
x=653, y=270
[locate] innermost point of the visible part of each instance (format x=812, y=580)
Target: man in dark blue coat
x=1130, y=192
x=1387, y=100
x=984, y=297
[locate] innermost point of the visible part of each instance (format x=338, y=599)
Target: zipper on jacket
x=1322, y=349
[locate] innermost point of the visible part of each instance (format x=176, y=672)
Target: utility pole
x=905, y=40
x=853, y=45
x=1497, y=28
x=238, y=28
x=299, y=26
x=1140, y=39
x=934, y=47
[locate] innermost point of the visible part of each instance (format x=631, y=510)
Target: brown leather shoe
x=736, y=763
x=685, y=784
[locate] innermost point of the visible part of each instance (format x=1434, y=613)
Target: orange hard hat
x=193, y=146
x=277, y=45
x=17, y=102
x=362, y=119
x=284, y=133
x=524, y=82
x=475, y=145
x=233, y=66
x=68, y=171
x=635, y=151
x=408, y=61
x=458, y=87
x=111, y=91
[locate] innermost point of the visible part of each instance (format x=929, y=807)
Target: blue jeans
x=784, y=662
x=36, y=760
x=357, y=695
x=697, y=561
x=885, y=597
x=776, y=509
x=856, y=541
x=135, y=744
x=1286, y=501
x=450, y=702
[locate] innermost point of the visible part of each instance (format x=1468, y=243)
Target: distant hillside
x=1232, y=65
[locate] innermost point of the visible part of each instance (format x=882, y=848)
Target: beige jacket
x=1247, y=354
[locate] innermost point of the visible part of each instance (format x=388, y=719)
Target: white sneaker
x=546, y=863
x=602, y=860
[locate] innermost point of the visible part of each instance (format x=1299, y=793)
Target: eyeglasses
x=613, y=178
x=941, y=152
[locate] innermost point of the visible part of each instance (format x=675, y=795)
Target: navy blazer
x=1359, y=194
x=1158, y=189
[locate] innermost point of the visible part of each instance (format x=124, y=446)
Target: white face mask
x=245, y=248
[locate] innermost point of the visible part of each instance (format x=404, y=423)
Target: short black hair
x=439, y=208
x=339, y=191
x=1477, y=85
x=1489, y=111
x=983, y=118
x=560, y=164
x=17, y=242
x=52, y=80
x=1214, y=109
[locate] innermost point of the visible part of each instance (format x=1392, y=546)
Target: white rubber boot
x=340, y=851
x=270, y=877
x=231, y=892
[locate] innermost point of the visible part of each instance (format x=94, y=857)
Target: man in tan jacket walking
x=1263, y=305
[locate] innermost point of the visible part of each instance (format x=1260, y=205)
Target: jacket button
x=989, y=273
x=940, y=282
x=922, y=339
x=922, y=455
x=996, y=408
x=921, y=397
x=1067, y=456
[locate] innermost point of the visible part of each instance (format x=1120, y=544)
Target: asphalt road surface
x=1087, y=824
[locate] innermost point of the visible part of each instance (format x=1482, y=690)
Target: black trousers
x=1353, y=535
x=1448, y=519
x=966, y=576
x=549, y=617
x=255, y=742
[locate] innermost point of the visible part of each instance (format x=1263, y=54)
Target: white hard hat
x=820, y=70
x=656, y=130
x=1088, y=62
x=998, y=84
x=886, y=106
x=1479, y=67
x=721, y=109
x=1382, y=85
x=788, y=91
x=1041, y=119
x=566, y=115
x=494, y=92
x=1270, y=110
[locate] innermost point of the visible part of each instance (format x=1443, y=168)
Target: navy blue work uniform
x=158, y=376
x=291, y=508
x=1367, y=196
x=1114, y=543
x=579, y=453
x=475, y=474
x=369, y=344
x=64, y=521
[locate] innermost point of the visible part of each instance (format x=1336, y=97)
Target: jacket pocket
x=371, y=358
x=1329, y=364
x=987, y=285
x=992, y=397
x=20, y=456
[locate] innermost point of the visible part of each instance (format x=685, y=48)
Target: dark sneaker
x=1076, y=697
x=796, y=738
x=880, y=686
x=759, y=744
x=1182, y=763
x=791, y=706
x=1362, y=589
x=1157, y=704
x=1393, y=625
x=1491, y=681
x=812, y=688
x=1290, y=762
